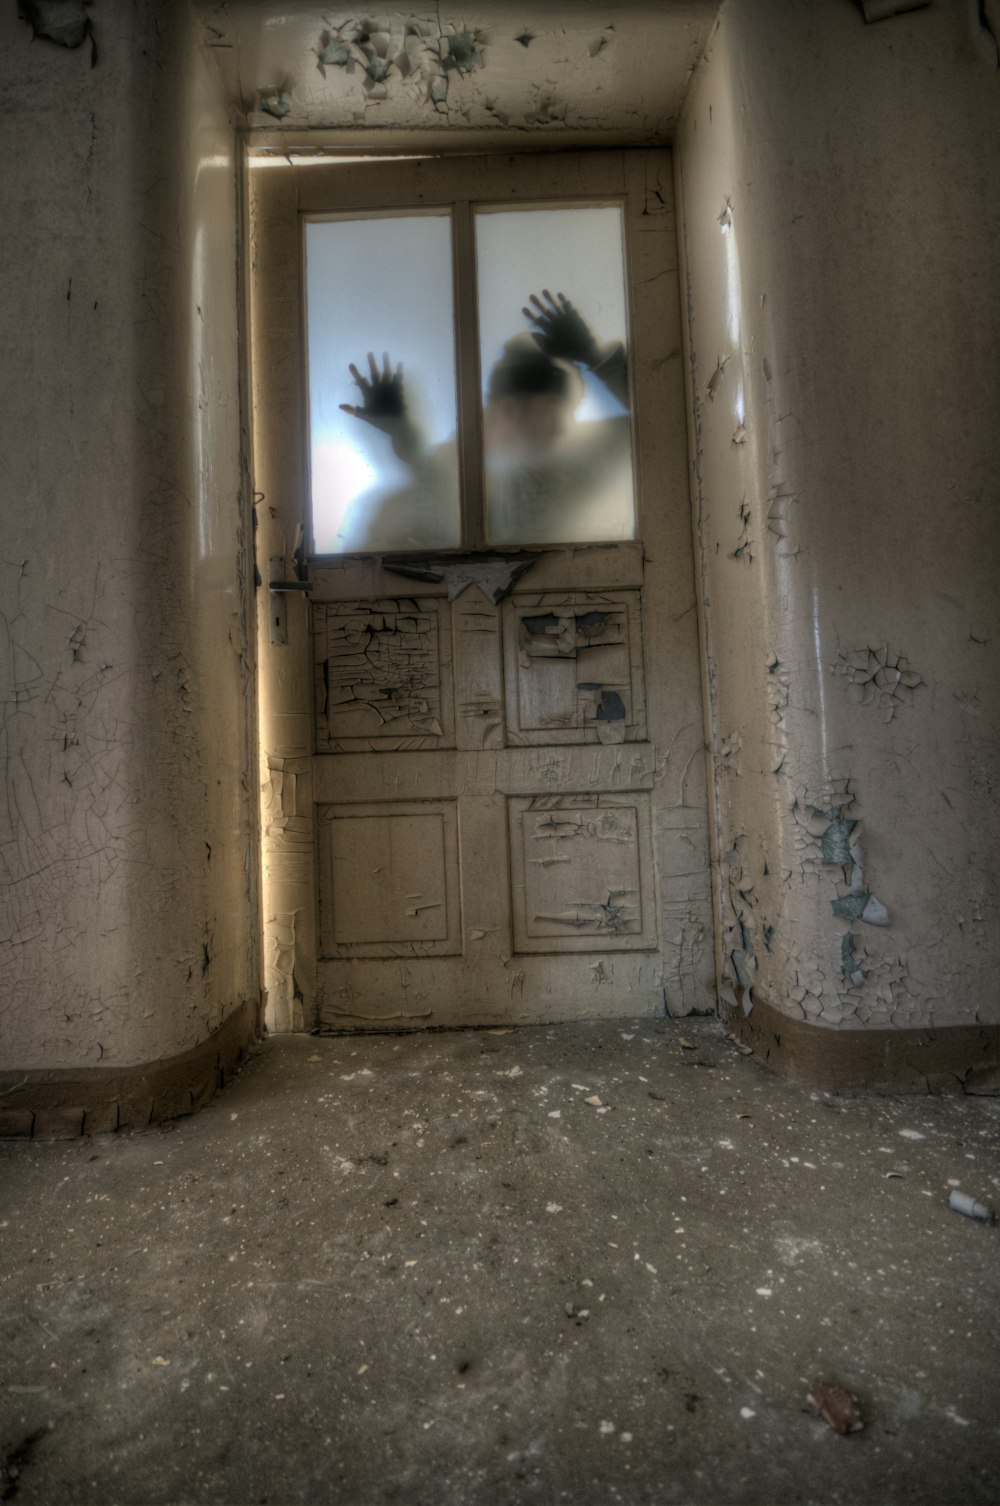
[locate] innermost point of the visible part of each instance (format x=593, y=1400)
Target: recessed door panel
x=382, y=675
x=582, y=873
x=573, y=667
x=389, y=880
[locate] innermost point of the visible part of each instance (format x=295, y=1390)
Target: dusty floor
x=427, y=1270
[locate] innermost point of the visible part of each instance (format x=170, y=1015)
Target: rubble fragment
x=836, y=1406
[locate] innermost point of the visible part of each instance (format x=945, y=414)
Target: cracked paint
x=127, y=724
x=878, y=677
x=378, y=675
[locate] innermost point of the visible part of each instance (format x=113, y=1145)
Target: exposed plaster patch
x=378, y=54
x=334, y=51
x=463, y=50
x=878, y=677
x=828, y=832
x=276, y=102
x=813, y=815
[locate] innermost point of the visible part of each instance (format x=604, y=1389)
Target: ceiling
x=566, y=72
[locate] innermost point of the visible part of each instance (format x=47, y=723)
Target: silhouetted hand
x=382, y=393
x=560, y=331
x=383, y=405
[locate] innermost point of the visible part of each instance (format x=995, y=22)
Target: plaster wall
x=841, y=212
x=128, y=916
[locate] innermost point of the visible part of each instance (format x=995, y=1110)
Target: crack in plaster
x=744, y=544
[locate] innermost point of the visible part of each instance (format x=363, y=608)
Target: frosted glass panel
x=553, y=333
x=380, y=327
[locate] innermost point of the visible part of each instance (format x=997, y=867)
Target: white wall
x=128, y=921
x=841, y=213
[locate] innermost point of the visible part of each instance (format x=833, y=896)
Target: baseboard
x=942, y=1059
x=60, y=1104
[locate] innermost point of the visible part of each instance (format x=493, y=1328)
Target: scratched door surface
x=504, y=788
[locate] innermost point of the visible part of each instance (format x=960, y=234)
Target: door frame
x=290, y=868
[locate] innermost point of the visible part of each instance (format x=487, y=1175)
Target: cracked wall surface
x=838, y=234
x=128, y=857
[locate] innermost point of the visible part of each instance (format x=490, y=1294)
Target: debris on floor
x=426, y=1278
x=836, y=1406
x=961, y=1202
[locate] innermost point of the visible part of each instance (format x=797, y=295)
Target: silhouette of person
x=549, y=478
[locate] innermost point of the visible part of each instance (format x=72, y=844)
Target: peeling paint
x=463, y=50
x=878, y=677
x=835, y=843
x=715, y=380
x=378, y=674
x=778, y=690
x=744, y=544
x=838, y=560
x=276, y=102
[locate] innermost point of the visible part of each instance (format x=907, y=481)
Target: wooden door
x=501, y=806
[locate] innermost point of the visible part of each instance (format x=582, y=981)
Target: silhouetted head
x=530, y=400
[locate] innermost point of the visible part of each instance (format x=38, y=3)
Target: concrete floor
x=426, y=1270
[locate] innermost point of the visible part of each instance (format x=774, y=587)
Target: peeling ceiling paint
x=308, y=68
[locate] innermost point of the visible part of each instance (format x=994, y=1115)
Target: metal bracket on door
x=278, y=588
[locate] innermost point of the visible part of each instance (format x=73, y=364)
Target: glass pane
x=552, y=342
x=380, y=330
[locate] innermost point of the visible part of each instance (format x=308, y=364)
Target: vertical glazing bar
x=470, y=427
